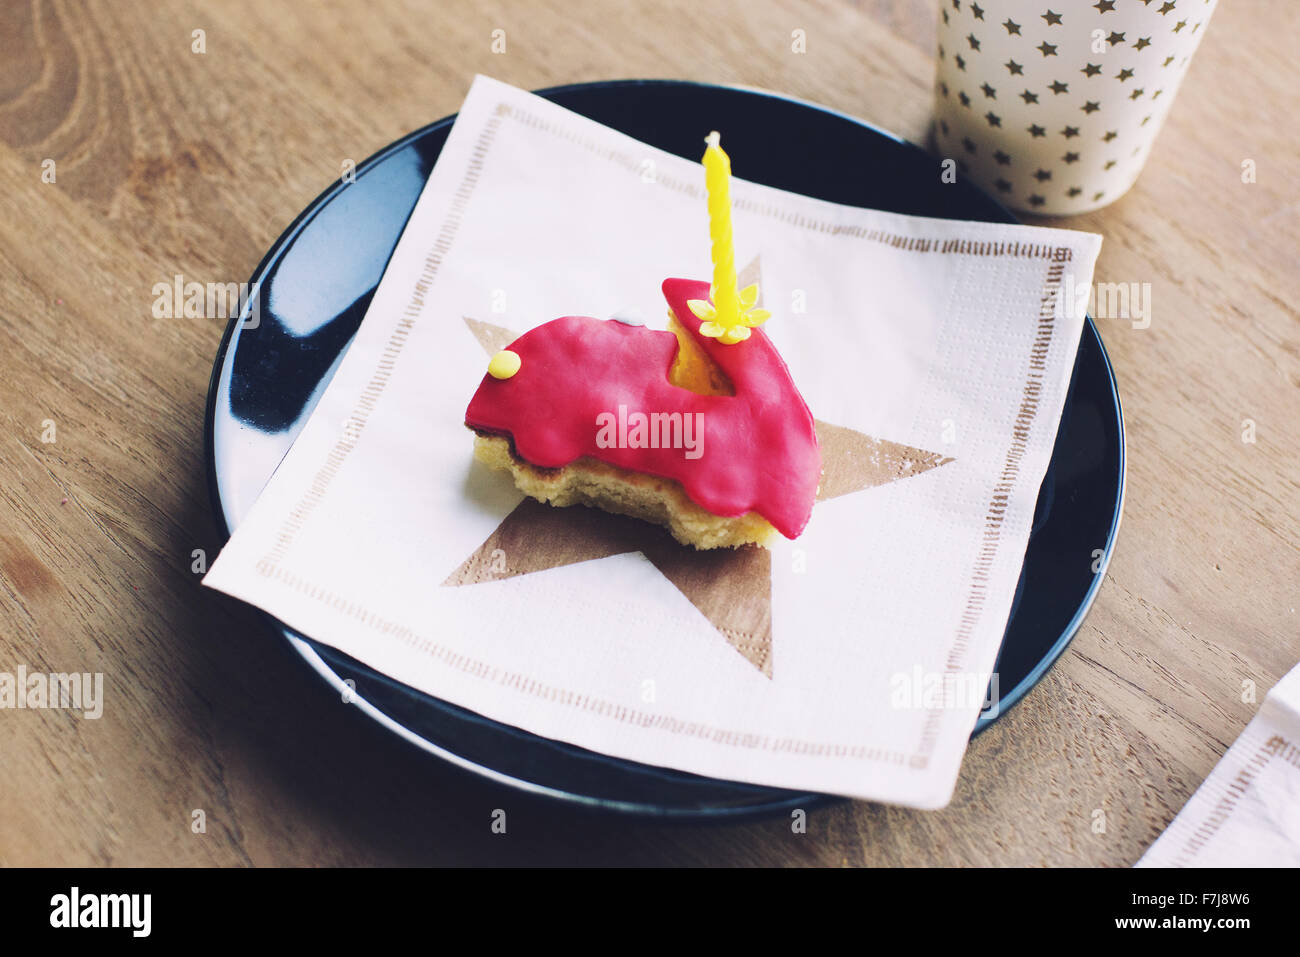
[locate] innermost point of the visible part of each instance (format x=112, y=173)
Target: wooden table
x=170, y=161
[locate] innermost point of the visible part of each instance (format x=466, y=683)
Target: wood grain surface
x=169, y=161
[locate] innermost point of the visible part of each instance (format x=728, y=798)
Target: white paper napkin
x=1247, y=813
x=850, y=661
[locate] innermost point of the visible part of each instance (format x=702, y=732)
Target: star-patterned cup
x=1053, y=105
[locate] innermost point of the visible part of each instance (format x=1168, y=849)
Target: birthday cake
x=699, y=428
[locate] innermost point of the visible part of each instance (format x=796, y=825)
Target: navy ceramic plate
x=317, y=281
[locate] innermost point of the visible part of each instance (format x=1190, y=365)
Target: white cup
x=1053, y=105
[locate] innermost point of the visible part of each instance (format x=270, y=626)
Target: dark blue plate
x=317, y=280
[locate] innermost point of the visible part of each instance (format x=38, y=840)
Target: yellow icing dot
x=504, y=364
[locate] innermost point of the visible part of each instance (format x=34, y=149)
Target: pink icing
x=759, y=448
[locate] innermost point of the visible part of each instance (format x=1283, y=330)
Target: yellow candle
x=717, y=180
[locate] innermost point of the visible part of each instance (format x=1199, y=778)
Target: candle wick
x=714, y=138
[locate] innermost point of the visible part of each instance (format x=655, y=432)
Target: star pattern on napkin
x=731, y=587
x=1105, y=89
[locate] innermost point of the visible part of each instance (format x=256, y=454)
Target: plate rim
x=302, y=646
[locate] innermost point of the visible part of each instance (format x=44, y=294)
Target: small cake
x=699, y=428
x=708, y=438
